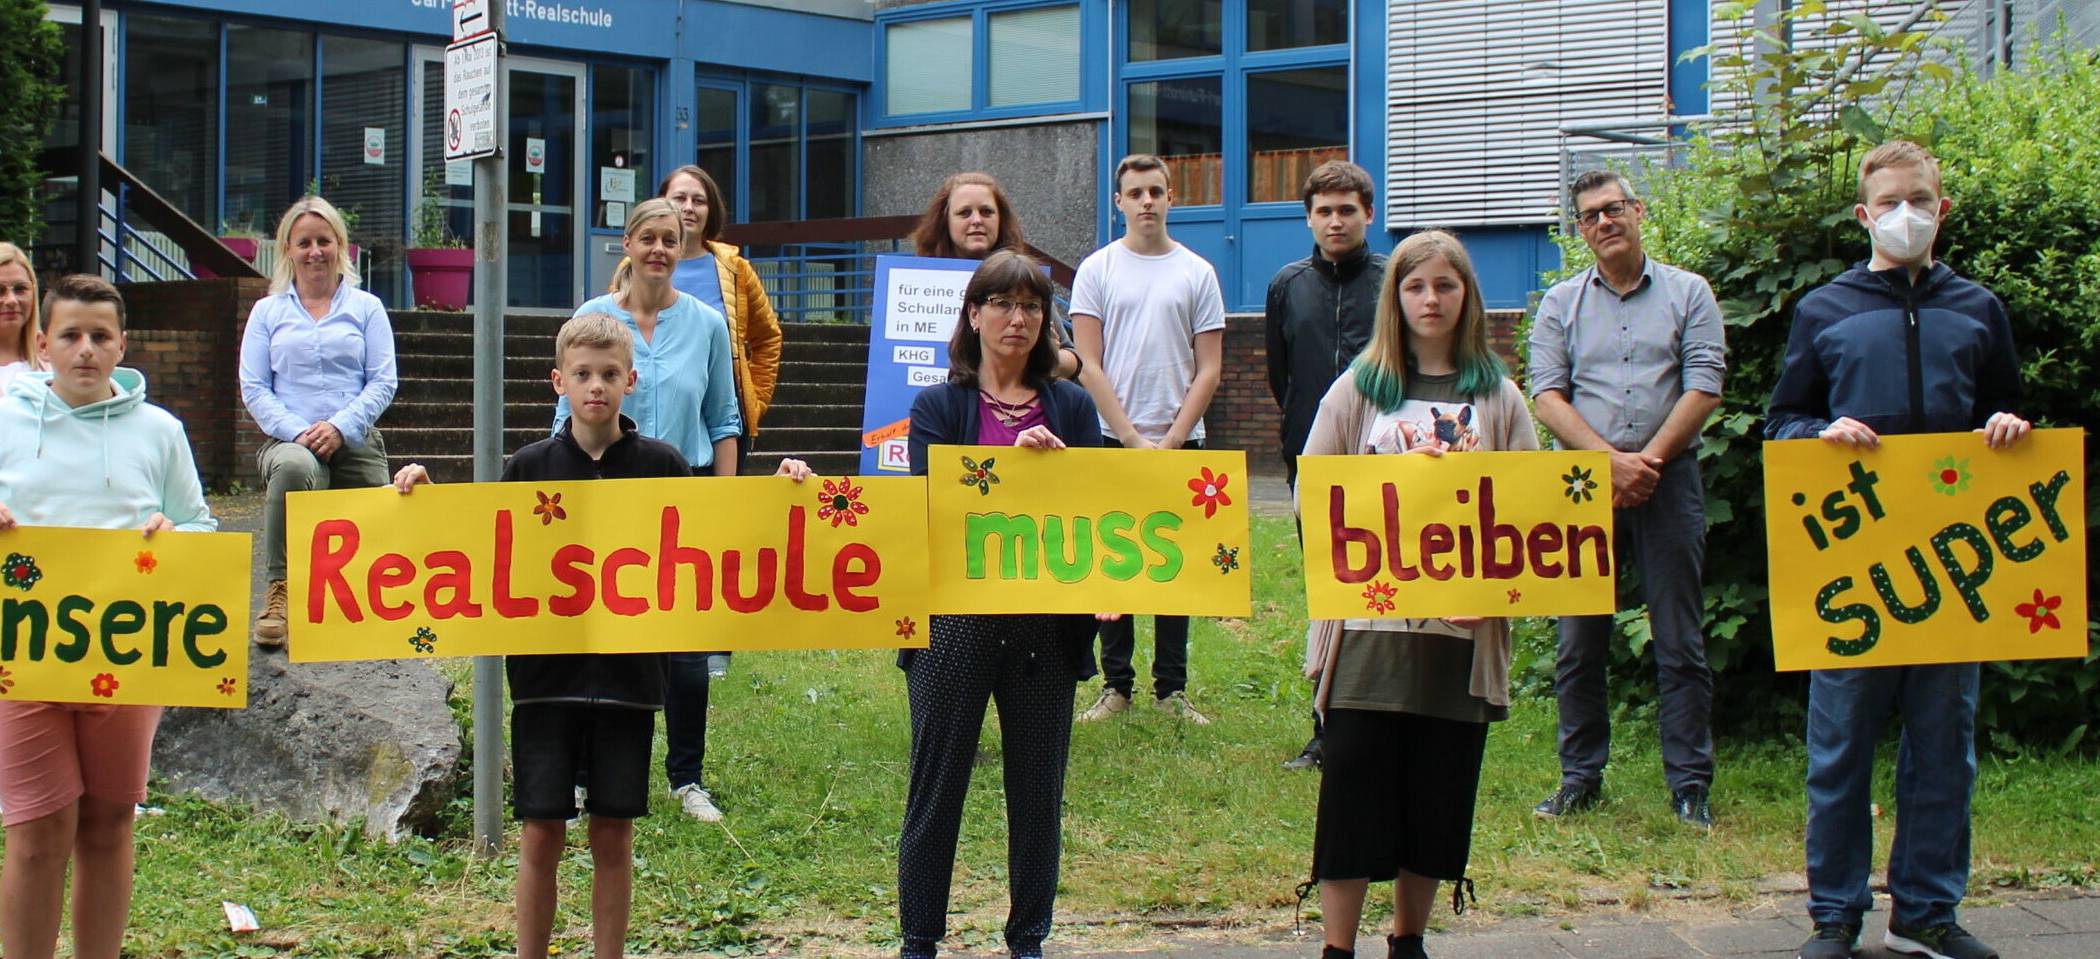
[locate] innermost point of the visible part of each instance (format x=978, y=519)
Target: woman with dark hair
x=1001, y=391
x=1407, y=702
x=970, y=218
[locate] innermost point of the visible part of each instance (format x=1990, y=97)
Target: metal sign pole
x=491, y=294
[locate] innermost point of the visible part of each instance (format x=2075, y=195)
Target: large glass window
x=830, y=151
x=623, y=115
x=776, y=169
x=364, y=146
x=1296, y=120
x=269, y=124
x=1181, y=120
x=171, y=111
x=929, y=66
x=717, y=134
x=1033, y=56
x=1280, y=24
x=1172, y=29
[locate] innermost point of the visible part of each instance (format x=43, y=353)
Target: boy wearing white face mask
x=1899, y=344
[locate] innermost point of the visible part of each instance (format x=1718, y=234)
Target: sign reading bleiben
x=1463, y=534
x=608, y=566
x=1013, y=530
x=111, y=616
x=1931, y=548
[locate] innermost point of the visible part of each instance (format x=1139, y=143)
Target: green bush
x=1763, y=209
x=30, y=94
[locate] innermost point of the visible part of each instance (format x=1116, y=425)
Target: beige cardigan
x=1343, y=427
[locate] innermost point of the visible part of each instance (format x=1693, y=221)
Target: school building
x=829, y=123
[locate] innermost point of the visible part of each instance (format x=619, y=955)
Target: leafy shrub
x=30, y=94
x=1763, y=208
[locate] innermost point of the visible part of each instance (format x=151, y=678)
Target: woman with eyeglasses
x=1001, y=391
x=1407, y=702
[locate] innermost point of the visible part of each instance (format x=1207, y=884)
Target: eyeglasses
x=1033, y=309
x=1616, y=209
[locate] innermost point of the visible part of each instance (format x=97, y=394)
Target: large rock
x=341, y=742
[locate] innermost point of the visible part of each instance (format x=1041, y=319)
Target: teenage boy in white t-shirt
x=1149, y=320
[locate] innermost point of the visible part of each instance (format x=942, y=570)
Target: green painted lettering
x=1070, y=559
x=1930, y=604
x=1015, y=544
x=2006, y=516
x=121, y=618
x=14, y=614
x=205, y=620
x=1870, y=620
x=1966, y=581
x=1153, y=531
x=1123, y=561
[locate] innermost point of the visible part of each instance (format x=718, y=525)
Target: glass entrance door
x=545, y=160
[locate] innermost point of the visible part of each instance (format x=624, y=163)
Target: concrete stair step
x=798, y=392
x=514, y=324
x=811, y=414
x=461, y=366
x=816, y=439
x=431, y=389
x=764, y=462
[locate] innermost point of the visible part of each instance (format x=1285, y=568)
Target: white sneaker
x=697, y=802
x=581, y=795
x=1177, y=704
x=1112, y=701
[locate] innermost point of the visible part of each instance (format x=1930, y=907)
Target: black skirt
x=1396, y=793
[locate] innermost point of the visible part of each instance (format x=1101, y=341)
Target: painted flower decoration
x=1514, y=596
x=1210, y=492
x=145, y=562
x=104, y=685
x=1226, y=559
x=21, y=572
x=1379, y=596
x=549, y=509
x=227, y=686
x=7, y=681
x=424, y=641
x=906, y=628
x=840, y=502
x=979, y=475
x=2041, y=612
x=1579, y=484
x=1950, y=476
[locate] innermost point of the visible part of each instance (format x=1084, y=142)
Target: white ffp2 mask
x=1905, y=233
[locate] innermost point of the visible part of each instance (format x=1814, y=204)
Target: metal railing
x=1634, y=148
x=823, y=271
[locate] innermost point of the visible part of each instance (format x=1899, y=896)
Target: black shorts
x=1396, y=792
x=555, y=747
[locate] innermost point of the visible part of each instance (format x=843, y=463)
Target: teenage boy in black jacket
x=1897, y=345
x=1318, y=316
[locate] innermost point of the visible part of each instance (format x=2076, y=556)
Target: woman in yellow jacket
x=716, y=274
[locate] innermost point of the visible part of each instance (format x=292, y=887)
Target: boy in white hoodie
x=80, y=446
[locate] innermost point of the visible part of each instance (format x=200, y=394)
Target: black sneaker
x=1307, y=758
x=1567, y=800
x=1832, y=940
x=1692, y=807
x=1336, y=952
x=1944, y=941
x=1404, y=947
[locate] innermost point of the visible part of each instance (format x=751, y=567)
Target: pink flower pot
x=242, y=246
x=443, y=278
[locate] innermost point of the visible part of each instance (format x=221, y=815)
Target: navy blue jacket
x=948, y=413
x=1931, y=357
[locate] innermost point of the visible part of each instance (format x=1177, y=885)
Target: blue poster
x=917, y=302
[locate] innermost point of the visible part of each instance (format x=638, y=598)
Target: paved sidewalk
x=2029, y=928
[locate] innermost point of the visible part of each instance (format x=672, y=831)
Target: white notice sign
x=616, y=183
x=375, y=146
x=535, y=155
x=470, y=99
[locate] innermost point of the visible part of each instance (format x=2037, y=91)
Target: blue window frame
x=1232, y=207
x=994, y=83
x=811, y=128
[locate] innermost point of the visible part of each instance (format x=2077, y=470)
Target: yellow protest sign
x=608, y=566
x=1932, y=548
x=1012, y=530
x=1463, y=534
x=110, y=616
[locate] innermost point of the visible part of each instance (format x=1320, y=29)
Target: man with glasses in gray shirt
x=1627, y=357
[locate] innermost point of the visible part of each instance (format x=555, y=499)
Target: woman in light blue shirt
x=317, y=370
x=683, y=395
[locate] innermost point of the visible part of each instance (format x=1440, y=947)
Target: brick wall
x=186, y=338
x=1243, y=416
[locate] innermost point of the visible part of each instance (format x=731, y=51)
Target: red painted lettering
x=1594, y=535
x=458, y=578
x=1544, y=542
x=733, y=581
x=1436, y=539
x=388, y=572
x=845, y=578
x=508, y=606
x=572, y=566
x=1340, y=534
x=799, y=597
x=670, y=556
x=334, y=543
x=609, y=581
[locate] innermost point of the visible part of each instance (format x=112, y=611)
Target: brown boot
x=269, y=624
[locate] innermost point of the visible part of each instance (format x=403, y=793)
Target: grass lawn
x=1167, y=825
